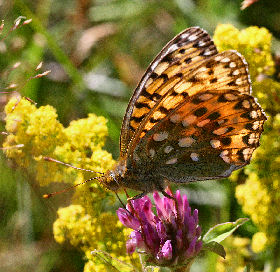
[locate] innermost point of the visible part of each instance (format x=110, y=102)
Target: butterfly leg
x=167, y=195
x=137, y=196
x=161, y=188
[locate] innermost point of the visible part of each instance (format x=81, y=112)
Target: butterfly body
x=192, y=117
x=143, y=179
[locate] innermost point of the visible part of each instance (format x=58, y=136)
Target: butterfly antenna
x=69, y=165
x=68, y=189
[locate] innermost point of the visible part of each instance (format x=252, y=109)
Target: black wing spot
x=249, y=126
x=185, y=94
x=168, y=58
x=131, y=128
x=155, y=96
x=245, y=139
x=146, y=94
x=201, y=111
x=215, y=115
x=196, y=101
x=163, y=110
x=182, y=51
x=164, y=77
x=226, y=141
x=232, y=83
x=209, y=64
x=241, y=155
x=140, y=105
x=137, y=119
x=179, y=75
x=229, y=129
x=246, y=115
x=222, y=98
x=238, y=105
x=153, y=75
x=213, y=80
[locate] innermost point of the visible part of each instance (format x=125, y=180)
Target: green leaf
x=216, y=248
x=221, y=231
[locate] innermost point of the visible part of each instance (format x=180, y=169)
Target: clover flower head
x=169, y=237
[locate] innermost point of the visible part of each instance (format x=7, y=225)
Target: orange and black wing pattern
x=194, y=117
x=180, y=56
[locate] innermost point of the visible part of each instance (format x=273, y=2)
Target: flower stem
x=142, y=262
x=186, y=268
x=182, y=269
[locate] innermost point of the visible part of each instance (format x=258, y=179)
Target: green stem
x=273, y=262
x=141, y=257
x=59, y=54
x=68, y=66
x=186, y=268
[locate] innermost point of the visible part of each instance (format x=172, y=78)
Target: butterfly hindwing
x=210, y=124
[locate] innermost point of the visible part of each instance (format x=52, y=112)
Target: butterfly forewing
x=180, y=56
x=206, y=126
x=224, y=73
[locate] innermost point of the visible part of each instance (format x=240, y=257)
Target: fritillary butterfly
x=191, y=118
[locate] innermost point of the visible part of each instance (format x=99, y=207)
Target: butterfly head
x=110, y=181
x=113, y=179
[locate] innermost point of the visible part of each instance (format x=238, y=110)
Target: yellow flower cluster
x=237, y=250
x=104, y=232
x=35, y=133
x=259, y=242
x=260, y=194
x=267, y=91
x=253, y=43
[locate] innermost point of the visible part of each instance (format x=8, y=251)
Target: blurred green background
x=97, y=52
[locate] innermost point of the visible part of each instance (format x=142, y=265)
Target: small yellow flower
x=38, y=133
x=267, y=91
x=258, y=192
x=237, y=253
x=88, y=233
x=259, y=242
x=35, y=133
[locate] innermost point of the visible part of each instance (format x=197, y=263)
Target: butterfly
x=192, y=117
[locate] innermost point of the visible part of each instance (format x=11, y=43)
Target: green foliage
x=215, y=235
x=221, y=231
x=259, y=194
x=122, y=37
